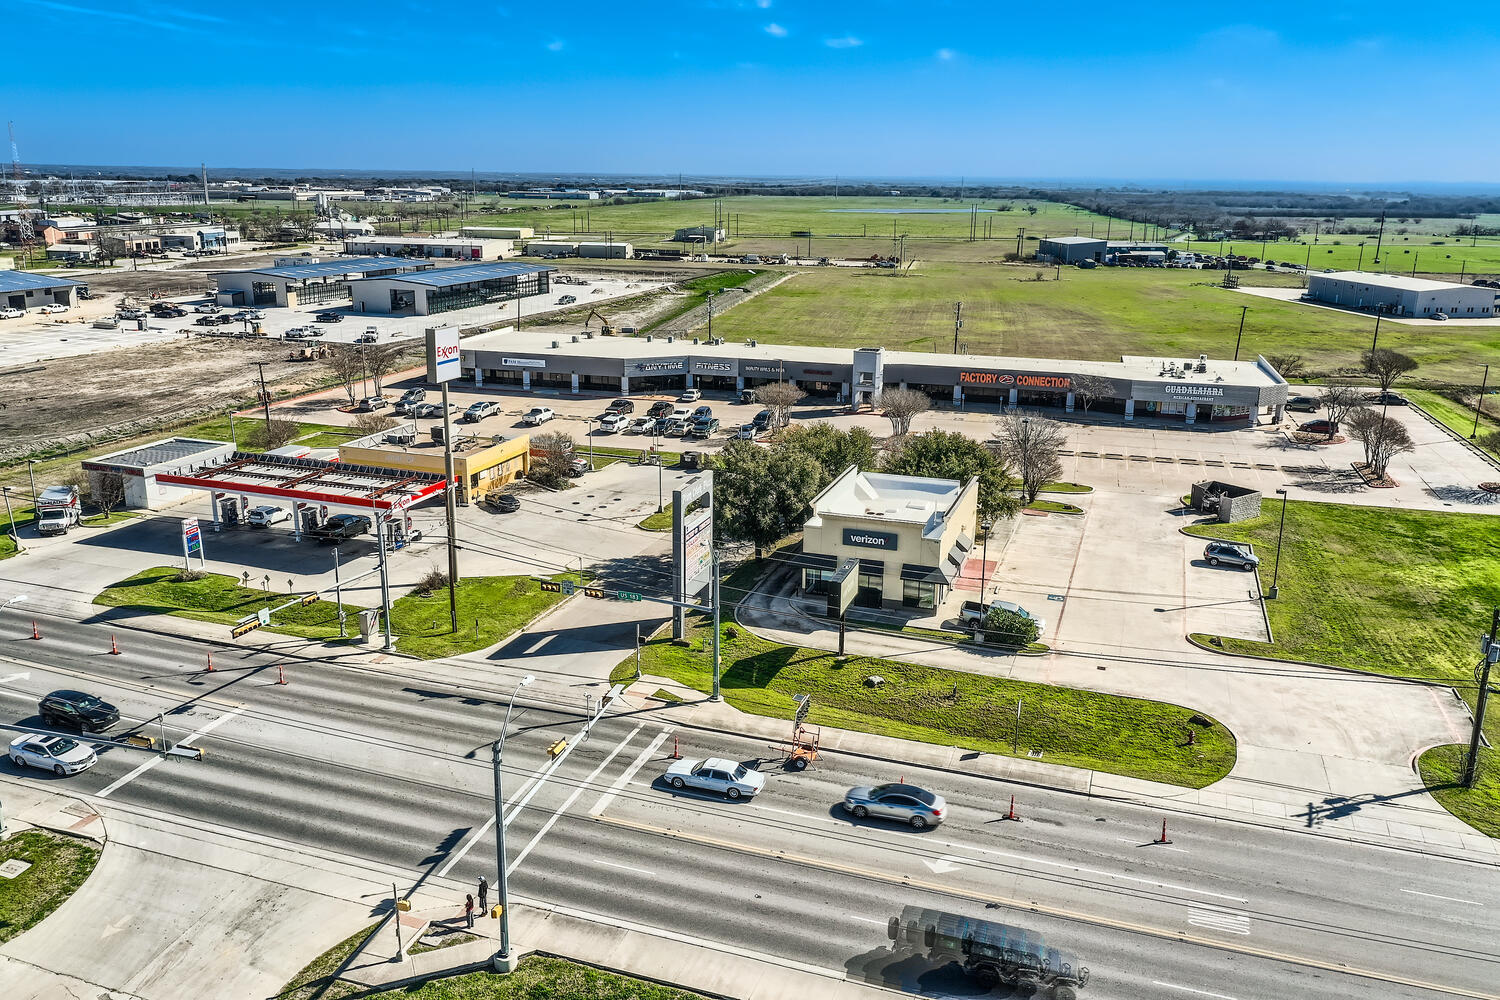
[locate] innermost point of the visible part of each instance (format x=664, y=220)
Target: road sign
x=804, y=705
x=627, y=595
x=567, y=587
x=264, y=616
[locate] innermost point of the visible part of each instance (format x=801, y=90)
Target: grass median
x=59, y=865
x=213, y=597
x=489, y=609
x=1129, y=736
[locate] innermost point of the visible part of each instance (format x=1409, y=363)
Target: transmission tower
x=25, y=232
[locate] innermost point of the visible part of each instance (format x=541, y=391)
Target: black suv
x=76, y=710
x=1306, y=404
x=340, y=527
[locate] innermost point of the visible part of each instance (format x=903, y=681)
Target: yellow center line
x=1052, y=911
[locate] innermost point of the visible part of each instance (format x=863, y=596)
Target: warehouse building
x=612, y=250
x=551, y=249
x=1070, y=250
x=911, y=536
x=425, y=293
x=444, y=247
x=480, y=465
x=27, y=290
x=1399, y=295
x=699, y=234
x=306, y=283
x=498, y=232
x=1190, y=390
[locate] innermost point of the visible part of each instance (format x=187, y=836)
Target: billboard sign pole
x=192, y=541
x=443, y=363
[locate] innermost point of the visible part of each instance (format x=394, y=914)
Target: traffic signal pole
x=1491, y=654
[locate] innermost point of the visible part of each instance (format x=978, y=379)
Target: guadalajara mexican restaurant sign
x=1062, y=382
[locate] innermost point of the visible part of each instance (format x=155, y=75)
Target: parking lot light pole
x=338, y=593
x=385, y=582
x=984, y=560
x=1276, y=573
x=503, y=960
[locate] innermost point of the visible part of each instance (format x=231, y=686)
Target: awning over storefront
x=964, y=541
x=816, y=560
x=943, y=575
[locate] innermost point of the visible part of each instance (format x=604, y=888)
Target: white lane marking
x=15, y=677
x=629, y=772
x=868, y=920
x=537, y=645
x=945, y=863
x=1189, y=989
x=1451, y=899
x=207, y=728
x=1229, y=923
x=568, y=802
x=629, y=868
x=510, y=811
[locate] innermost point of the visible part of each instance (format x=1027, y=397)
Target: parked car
x=659, y=409
x=610, y=423
x=703, y=411
x=365, y=338
x=1387, y=399
x=68, y=709
x=328, y=317
x=762, y=421
x=53, y=307
x=429, y=410
x=57, y=754
x=567, y=300
x=213, y=320
x=255, y=314
x=704, y=427
x=690, y=396
x=916, y=807
x=265, y=515
x=746, y=432
x=340, y=527
x=11, y=312
x=537, y=415
x=641, y=425
x=167, y=310
x=207, y=307
x=1440, y=317
x=1231, y=554
x=1319, y=427
x=370, y=404
x=295, y=333
x=621, y=406
x=974, y=613
x=1304, y=404
x=726, y=777
x=747, y=395
x=503, y=503
x=478, y=411
x=414, y=395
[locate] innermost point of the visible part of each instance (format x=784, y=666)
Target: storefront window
x=815, y=581
x=869, y=593
x=918, y=595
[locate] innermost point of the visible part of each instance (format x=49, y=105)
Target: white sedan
x=57, y=754
x=727, y=778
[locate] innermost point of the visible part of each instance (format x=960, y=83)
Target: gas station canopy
x=311, y=481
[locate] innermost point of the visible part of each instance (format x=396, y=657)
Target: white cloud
x=847, y=42
x=556, y=45
x=946, y=54
x=762, y=4
x=775, y=30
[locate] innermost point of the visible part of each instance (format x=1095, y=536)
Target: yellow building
x=480, y=465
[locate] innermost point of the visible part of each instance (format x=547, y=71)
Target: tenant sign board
x=716, y=367
x=442, y=354
x=523, y=363
x=1056, y=383
x=871, y=539
x=661, y=366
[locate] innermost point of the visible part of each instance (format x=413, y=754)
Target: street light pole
x=1276, y=573
x=984, y=560
x=503, y=960
x=1479, y=403
x=1238, y=336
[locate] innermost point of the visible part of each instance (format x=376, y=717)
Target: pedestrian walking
x=484, y=895
x=469, y=909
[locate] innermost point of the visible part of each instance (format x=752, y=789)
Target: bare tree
x=1089, y=389
x=1387, y=365
x=108, y=491
x=1383, y=438
x=1030, y=446
x=1291, y=366
x=369, y=423
x=900, y=406
x=779, y=398
x=381, y=360
x=553, y=450
x=275, y=434
x=346, y=366
x=1338, y=399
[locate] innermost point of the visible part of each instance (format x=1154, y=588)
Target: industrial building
x=498, y=232
x=551, y=248
x=76, y=253
x=306, y=283
x=481, y=465
x=911, y=536
x=1399, y=295
x=699, y=234
x=424, y=293
x=1180, y=389
x=612, y=250
x=1070, y=249
x=138, y=467
x=443, y=247
x=27, y=290
x=206, y=238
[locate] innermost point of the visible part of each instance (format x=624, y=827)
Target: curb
x=1455, y=435
x=1332, y=666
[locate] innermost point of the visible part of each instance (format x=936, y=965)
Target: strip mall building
x=1192, y=390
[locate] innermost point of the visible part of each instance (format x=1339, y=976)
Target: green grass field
x=1399, y=254
x=1143, y=739
x=489, y=609
x=1099, y=314
x=59, y=865
x=1442, y=772
x=221, y=599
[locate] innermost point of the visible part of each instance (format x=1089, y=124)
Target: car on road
x=53, y=307
x=659, y=409
x=916, y=807
x=1304, y=404
x=57, y=754
x=537, y=415
x=690, y=396
x=1387, y=399
x=1319, y=427
x=426, y=410
x=478, y=411
x=621, y=406
x=1231, y=554
x=715, y=774
x=328, y=317
x=11, y=312
x=207, y=308
x=68, y=709
x=340, y=527
x=1440, y=317
x=503, y=503
x=266, y=515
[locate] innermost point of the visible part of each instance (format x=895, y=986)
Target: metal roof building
x=1071, y=249
x=313, y=283
x=1400, y=295
x=138, y=468
x=27, y=290
x=423, y=293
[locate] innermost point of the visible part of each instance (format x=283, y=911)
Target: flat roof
x=464, y=241
x=1072, y=239
x=160, y=452
x=1392, y=281
x=19, y=281
x=312, y=480
x=336, y=267
x=462, y=274
x=910, y=499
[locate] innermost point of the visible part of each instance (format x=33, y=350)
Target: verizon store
x=1191, y=390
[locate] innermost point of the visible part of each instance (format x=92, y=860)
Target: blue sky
x=1333, y=91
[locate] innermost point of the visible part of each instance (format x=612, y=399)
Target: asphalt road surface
x=396, y=769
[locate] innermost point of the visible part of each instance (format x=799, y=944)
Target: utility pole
x=1491, y=654
x=1379, y=236
x=1479, y=403
x=265, y=398
x=958, y=323
x=1243, y=310
x=714, y=595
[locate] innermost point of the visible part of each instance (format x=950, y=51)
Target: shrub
x=433, y=580
x=1010, y=628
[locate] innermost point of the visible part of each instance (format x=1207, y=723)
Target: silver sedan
x=908, y=804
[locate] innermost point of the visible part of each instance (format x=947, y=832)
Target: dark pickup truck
x=340, y=527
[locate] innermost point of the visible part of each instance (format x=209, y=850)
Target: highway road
x=395, y=769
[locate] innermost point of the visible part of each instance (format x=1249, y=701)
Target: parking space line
x=568, y=802
x=629, y=772
x=145, y=766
